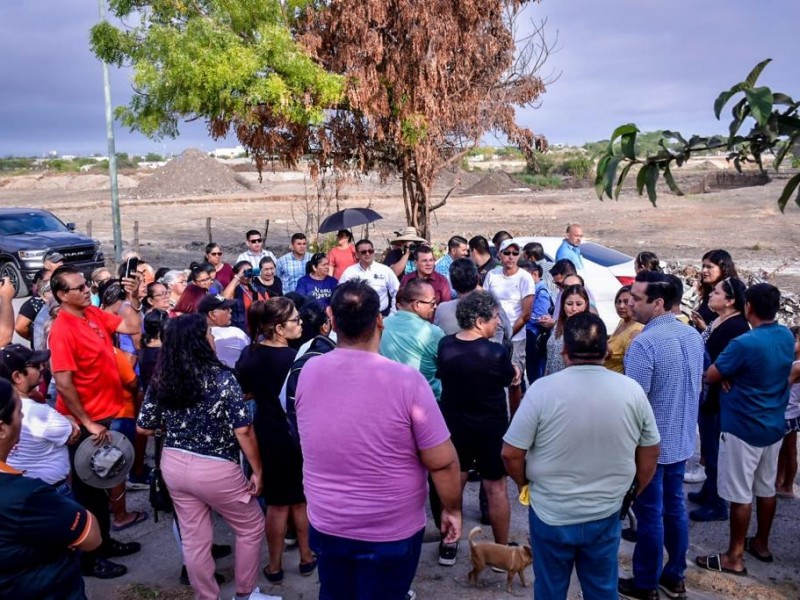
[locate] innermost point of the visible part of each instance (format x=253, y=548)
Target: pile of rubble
x=193, y=173
x=788, y=314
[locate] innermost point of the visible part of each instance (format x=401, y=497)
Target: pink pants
x=199, y=485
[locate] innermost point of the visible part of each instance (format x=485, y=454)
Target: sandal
x=308, y=568
x=140, y=516
x=767, y=558
x=713, y=562
x=276, y=577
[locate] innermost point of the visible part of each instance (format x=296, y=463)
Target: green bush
x=577, y=166
x=542, y=164
x=538, y=180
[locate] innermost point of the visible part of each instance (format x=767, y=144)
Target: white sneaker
x=695, y=474
x=257, y=595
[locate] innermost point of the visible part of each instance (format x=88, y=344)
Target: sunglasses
x=510, y=253
x=79, y=288
x=215, y=253
x=368, y=251
x=255, y=241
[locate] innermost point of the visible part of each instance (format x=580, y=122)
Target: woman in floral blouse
x=200, y=405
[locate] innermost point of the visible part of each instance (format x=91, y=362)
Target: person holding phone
x=243, y=292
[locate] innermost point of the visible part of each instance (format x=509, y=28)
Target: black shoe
x=629, y=534
x=184, y=578
x=674, y=589
x=448, y=553
x=104, y=569
x=115, y=548
x=696, y=498
x=704, y=514
x=220, y=551
x=627, y=589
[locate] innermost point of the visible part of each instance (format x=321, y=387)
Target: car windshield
x=603, y=256
x=33, y=222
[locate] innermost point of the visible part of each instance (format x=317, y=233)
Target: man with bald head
x=571, y=246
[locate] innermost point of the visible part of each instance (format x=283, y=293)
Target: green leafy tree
x=775, y=129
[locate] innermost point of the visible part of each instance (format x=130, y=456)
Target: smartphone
x=256, y=271
x=130, y=267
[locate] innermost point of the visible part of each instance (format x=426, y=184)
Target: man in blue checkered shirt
x=456, y=248
x=292, y=265
x=666, y=359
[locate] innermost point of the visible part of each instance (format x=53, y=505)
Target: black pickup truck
x=27, y=234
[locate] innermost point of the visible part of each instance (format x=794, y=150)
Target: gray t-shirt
x=581, y=427
x=445, y=319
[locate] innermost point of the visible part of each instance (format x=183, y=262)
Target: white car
x=605, y=270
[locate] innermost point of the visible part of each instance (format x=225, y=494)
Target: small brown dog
x=512, y=559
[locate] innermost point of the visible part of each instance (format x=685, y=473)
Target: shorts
x=744, y=470
x=792, y=425
x=483, y=447
x=518, y=354
x=126, y=427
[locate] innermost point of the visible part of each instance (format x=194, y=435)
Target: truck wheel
x=10, y=270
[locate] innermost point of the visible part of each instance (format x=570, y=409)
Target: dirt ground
x=745, y=221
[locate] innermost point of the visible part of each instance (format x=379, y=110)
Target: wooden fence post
x=89, y=228
x=136, y=236
x=266, y=231
x=208, y=229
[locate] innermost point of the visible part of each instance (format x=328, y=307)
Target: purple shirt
x=362, y=420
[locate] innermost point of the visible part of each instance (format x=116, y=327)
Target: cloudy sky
x=658, y=64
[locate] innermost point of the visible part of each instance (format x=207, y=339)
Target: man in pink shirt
x=371, y=431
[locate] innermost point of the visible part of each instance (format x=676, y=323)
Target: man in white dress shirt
x=380, y=277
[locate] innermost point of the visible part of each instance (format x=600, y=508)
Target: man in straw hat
x=401, y=257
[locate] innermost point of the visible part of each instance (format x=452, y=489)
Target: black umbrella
x=348, y=218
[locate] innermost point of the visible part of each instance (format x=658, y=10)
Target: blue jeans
x=357, y=570
x=534, y=364
x=710, y=429
x=591, y=548
x=662, y=523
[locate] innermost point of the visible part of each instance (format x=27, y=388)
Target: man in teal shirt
x=408, y=336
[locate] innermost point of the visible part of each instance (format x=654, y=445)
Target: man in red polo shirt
x=426, y=266
x=89, y=389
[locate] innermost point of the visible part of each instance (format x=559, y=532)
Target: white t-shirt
x=793, y=407
x=229, y=341
x=255, y=259
x=380, y=278
x=510, y=290
x=42, y=451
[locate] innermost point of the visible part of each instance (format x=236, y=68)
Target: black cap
x=15, y=357
x=54, y=256
x=213, y=302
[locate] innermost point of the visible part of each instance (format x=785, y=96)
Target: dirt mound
x=496, y=182
x=65, y=182
x=193, y=173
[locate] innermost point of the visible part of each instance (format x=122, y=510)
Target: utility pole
x=116, y=222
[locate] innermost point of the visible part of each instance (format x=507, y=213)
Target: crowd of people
x=322, y=399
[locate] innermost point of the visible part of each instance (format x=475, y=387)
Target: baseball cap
x=15, y=357
x=54, y=257
x=508, y=243
x=213, y=302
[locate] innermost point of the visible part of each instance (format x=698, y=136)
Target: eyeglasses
x=215, y=253
x=367, y=251
x=199, y=281
x=255, y=241
x=510, y=253
x=161, y=295
x=297, y=320
x=79, y=288
x=429, y=302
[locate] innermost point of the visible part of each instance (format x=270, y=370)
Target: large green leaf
x=627, y=129
x=651, y=177
x=599, y=179
x=723, y=98
x=623, y=174
x=673, y=186
x=760, y=101
x=782, y=99
x=674, y=135
x=640, y=179
x=788, y=191
x=739, y=113
x=628, y=145
x=610, y=175
x=752, y=77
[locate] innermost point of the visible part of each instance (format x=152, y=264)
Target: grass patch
x=538, y=180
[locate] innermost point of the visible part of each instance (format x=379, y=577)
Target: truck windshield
x=33, y=222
